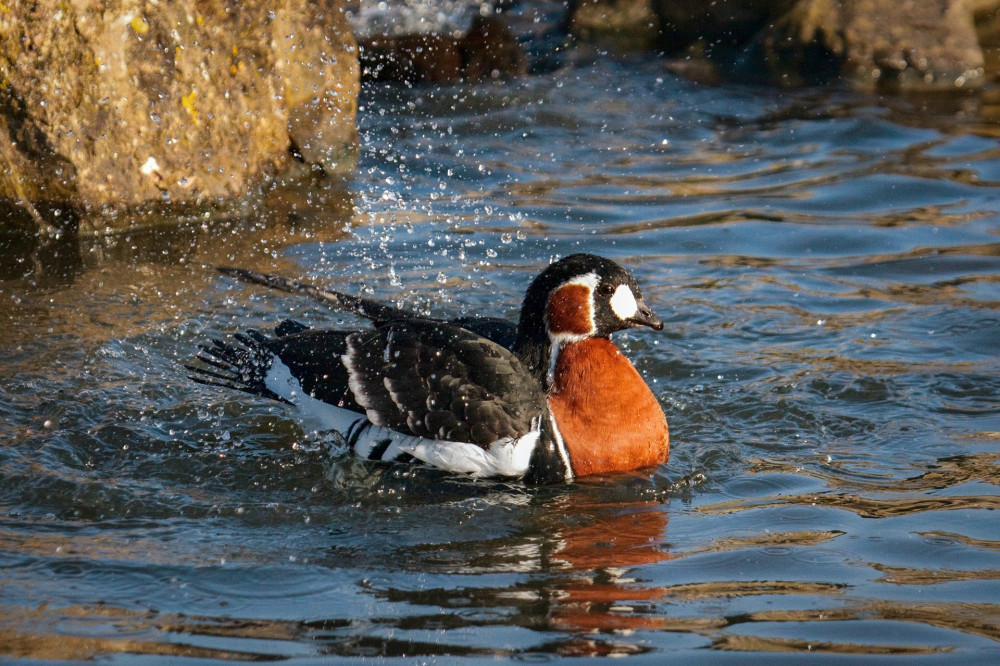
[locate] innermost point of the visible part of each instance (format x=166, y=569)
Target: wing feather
x=314, y=358
x=440, y=381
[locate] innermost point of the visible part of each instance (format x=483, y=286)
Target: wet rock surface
x=123, y=103
x=912, y=44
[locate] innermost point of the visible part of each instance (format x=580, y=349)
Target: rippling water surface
x=827, y=265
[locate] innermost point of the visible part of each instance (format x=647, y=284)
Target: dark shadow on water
x=249, y=233
x=51, y=256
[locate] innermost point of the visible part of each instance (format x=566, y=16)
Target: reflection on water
x=827, y=266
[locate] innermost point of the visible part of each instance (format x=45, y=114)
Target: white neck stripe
x=561, y=447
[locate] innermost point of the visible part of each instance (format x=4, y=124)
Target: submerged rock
x=120, y=104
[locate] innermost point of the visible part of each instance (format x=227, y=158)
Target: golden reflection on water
x=974, y=619
x=645, y=189
x=100, y=546
x=865, y=507
x=962, y=539
x=142, y=278
x=741, y=643
x=907, y=576
x=23, y=637
x=946, y=473
x=768, y=540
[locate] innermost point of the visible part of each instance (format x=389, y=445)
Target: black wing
x=425, y=377
x=441, y=381
x=498, y=330
x=313, y=357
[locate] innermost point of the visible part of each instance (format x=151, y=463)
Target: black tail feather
x=241, y=363
x=202, y=377
x=210, y=360
x=224, y=376
x=501, y=331
x=289, y=327
x=366, y=307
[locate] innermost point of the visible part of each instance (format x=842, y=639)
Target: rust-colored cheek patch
x=569, y=310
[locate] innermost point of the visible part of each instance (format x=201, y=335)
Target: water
x=827, y=266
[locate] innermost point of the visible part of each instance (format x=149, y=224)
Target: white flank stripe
x=316, y=414
x=506, y=457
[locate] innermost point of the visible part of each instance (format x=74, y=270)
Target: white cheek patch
x=623, y=303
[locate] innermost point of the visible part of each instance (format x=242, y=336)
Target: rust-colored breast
x=608, y=417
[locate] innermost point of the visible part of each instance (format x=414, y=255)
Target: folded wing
x=441, y=381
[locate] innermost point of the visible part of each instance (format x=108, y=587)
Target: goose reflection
x=599, y=542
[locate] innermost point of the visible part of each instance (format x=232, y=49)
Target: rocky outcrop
x=621, y=24
x=904, y=44
x=987, y=17
x=901, y=43
x=124, y=103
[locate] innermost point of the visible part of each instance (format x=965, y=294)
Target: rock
x=622, y=24
x=413, y=59
x=907, y=44
x=987, y=17
x=489, y=49
x=673, y=25
x=722, y=23
x=912, y=44
x=121, y=104
x=540, y=29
